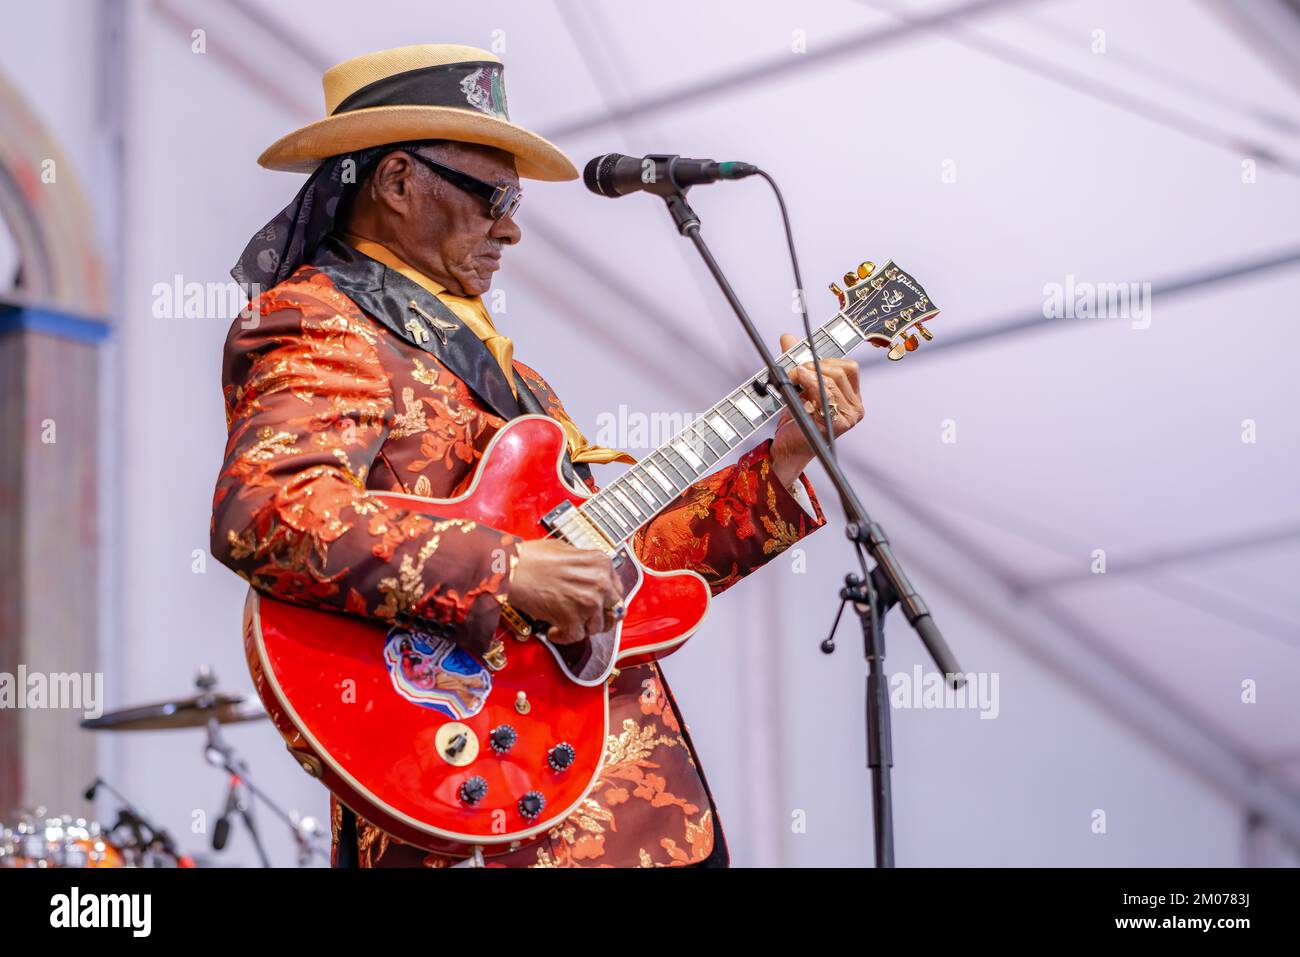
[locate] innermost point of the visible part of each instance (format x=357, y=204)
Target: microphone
x=662, y=174
x=221, y=833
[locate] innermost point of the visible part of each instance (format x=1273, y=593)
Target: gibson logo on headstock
x=892, y=298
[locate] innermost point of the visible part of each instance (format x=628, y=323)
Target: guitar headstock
x=887, y=305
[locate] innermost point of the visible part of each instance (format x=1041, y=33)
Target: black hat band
x=474, y=85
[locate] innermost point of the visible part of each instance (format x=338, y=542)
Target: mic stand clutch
x=304, y=830
x=884, y=586
x=218, y=752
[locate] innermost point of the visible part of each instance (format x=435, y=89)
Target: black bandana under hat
x=277, y=249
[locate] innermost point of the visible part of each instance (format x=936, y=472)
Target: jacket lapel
x=530, y=404
x=419, y=318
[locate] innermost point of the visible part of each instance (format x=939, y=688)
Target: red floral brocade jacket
x=324, y=402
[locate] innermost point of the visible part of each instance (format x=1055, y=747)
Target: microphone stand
x=220, y=753
x=872, y=594
x=130, y=817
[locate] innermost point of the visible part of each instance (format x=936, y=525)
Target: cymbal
x=193, y=712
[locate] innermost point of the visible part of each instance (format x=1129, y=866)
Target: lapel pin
x=439, y=326
x=417, y=331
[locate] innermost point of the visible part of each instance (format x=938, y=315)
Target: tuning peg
x=865, y=270
x=926, y=334
x=898, y=350
x=850, y=279
x=839, y=294
x=910, y=343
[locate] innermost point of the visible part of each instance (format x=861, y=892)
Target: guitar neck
x=626, y=504
x=882, y=308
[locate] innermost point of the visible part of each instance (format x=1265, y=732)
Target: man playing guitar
x=368, y=364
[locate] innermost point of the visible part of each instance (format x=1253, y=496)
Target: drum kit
x=39, y=841
x=36, y=839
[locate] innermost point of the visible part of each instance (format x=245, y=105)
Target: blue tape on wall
x=51, y=322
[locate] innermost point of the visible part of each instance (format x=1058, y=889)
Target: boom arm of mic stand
x=861, y=529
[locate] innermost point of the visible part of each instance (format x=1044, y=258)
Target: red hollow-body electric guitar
x=466, y=755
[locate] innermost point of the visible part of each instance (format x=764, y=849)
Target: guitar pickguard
x=590, y=662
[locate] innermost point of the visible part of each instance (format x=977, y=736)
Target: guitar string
x=605, y=498
x=600, y=497
x=576, y=521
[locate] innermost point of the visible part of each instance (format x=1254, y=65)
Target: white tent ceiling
x=1072, y=434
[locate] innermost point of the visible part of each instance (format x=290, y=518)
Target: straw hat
x=423, y=92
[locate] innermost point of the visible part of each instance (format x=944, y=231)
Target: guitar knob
x=839, y=293
x=503, y=738
x=898, y=350
x=473, y=790
x=561, y=757
x=910, y=343
x=850, y=279
x=531, y=804
x=865, y=270
x=926, y=334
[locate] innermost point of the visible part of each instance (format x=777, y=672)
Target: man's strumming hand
x=574, y=589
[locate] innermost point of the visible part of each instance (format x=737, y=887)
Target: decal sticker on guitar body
x=434, y=673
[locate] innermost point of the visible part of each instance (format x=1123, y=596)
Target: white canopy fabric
x=993, y=149
x=1000, y=150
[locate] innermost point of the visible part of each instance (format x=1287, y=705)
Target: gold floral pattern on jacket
x=323, y=406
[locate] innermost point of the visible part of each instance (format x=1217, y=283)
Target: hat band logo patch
x=485, y=92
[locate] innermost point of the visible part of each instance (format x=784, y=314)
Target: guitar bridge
x=520, y=625
x=495, y=657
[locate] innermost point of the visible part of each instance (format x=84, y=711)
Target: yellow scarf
x=471, y=311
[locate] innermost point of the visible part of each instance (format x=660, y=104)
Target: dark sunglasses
x=501, y=200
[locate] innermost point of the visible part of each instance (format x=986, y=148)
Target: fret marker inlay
x=645, y=492
x=842, y=332
x=688, y=453
x=718, y=425
x=636, y=512
x=658, y=476
x=746, y=405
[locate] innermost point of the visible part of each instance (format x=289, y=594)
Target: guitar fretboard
x=613, y=515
